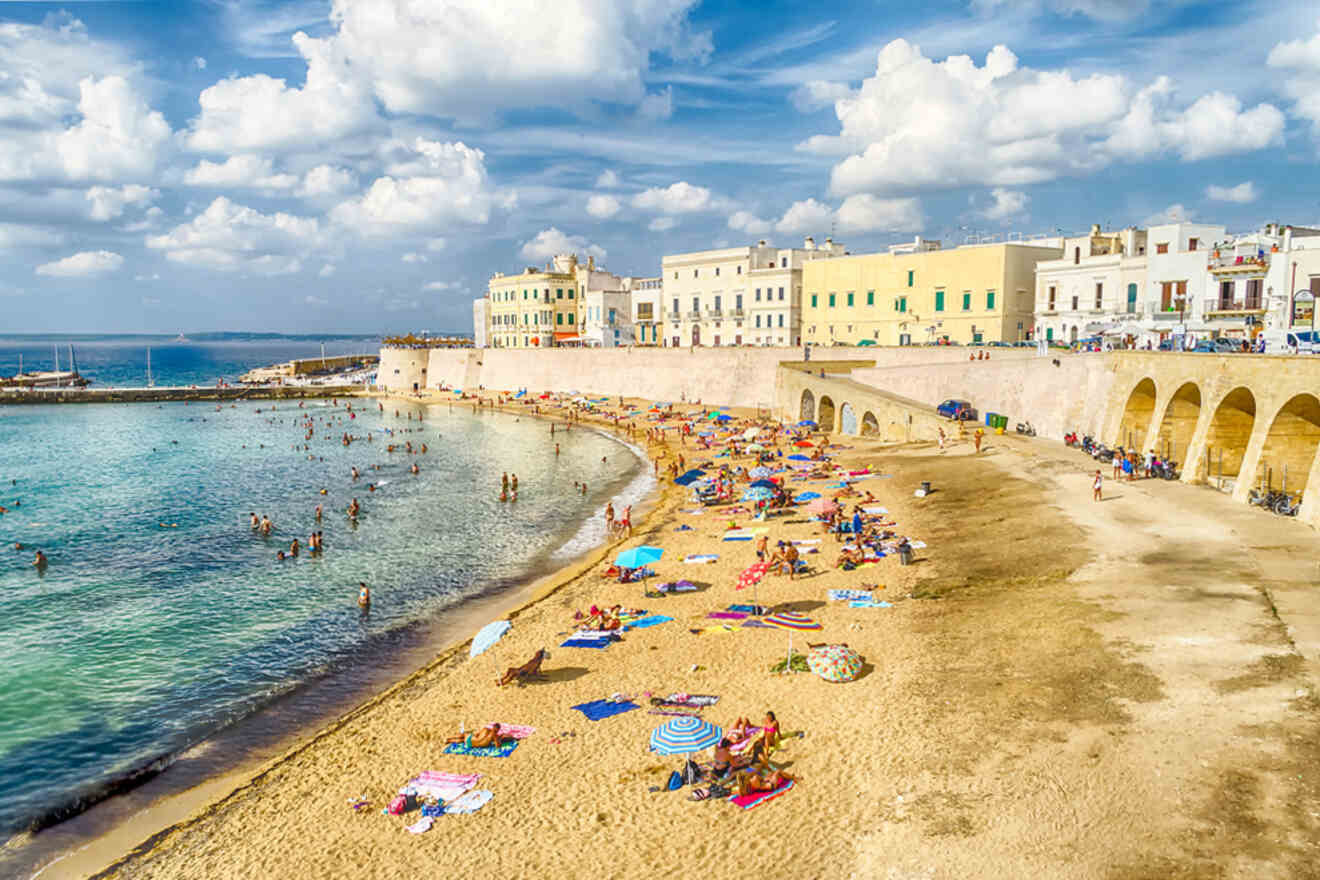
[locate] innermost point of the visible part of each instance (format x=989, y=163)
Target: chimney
x=1095, y=228
x=761, y=243
x=591, y=262
x=809, y=244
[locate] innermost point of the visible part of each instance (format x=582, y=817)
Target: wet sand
x=1061, y=689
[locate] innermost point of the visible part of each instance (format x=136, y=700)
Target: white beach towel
x=875, y=509
x=469, y=803
x=701, y=558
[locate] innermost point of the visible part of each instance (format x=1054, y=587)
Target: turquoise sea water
x=162, y=618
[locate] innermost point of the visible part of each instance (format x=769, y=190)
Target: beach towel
x=917, y=545
x=875, y=509
x=421, y=825
x=701, y=558
x=806, y=542
x=597, y=710
x=678, y=711
x=756, y=798
x=753, y=622
x=747, y=609
x=469, y=803
x=483, y=751
x=869, y=603
x=598, y=644
x=726, y=615
x=693, y=699
x=734, y=536
x=753, y=734
x=517, y=731
x=849, y=595
x=648, y=621
x=721, y=628
x=442, y=786
x=677, y=587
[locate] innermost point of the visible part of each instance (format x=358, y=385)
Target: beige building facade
x=922, y=292
x=544, y=308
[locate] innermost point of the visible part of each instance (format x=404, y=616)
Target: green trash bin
x=1001, y=421
x=990, y=419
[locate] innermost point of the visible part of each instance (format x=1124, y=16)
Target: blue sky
x=365, y=165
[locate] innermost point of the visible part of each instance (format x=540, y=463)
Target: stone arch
x=870, y=425
x=1178, y=423
x=847, y=419
x=825, y=413
x=1228, y=435
x=1291, y=445
x=807, y=410
x=1135, y=424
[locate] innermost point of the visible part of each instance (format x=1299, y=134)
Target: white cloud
x=411, y=257
x=450, y=186
x=603, y=206
x=749, y=223
x=441, y=285
x=314, y=300
x=435, y=245
x=154, y=276
x=199, y=62
x=83, y=265
x=679, y=198
x=1301, y=59
x=551, y=242
x=231, y=237
x=1242, y=194
x=260, y=112
x=239, y=172
x=108, y=202
x=118, y=136
x=1007, y=205
x=326, y=271
x=1101, y=10
x=326, y=180
x=150, y=220
x=14, y=235
x=607, y=180
x=864, y=212
x=662, y=224
x=923, y=124
x=503, y=55
x=818, y=94
x=657, y=106
x=805, y=216
x=1175, y=213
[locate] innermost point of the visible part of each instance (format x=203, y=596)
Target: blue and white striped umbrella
x=684, y=734
x=758, y=473
x=488, y=635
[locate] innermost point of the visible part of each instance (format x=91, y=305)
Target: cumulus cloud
x=749, y=223
x=326, y=271
x=412, y=257
x=199, y=62
x=603, y=206
x=657, y=106
x=818, y=94
x=326, y=180
x=108, y=202
x=608, y=179
x=923, y=124
x=239, y=172
x=441, y=285
x=1102, y=10
x=551, y=242
x=864, y=212
x=231, y=237
x=119, y=135
x=1007, y=204
x=450, y=185
x=662, y=224
x=1300, y=59
x=1242, y=194
x=805, y=216
x=1175, y=213
x=679, y=198
x=86, y=264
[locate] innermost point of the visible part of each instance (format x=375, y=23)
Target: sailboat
x=151, y=383
x=56, y=378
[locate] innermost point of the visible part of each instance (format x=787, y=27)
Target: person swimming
x=364, y=595
x=40, y=561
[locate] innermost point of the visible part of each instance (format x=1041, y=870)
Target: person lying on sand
x=530, y=669
x=850, y=557
x=751, y=782
x=487, y=736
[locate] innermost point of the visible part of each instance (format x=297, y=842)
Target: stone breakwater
x=166, y=395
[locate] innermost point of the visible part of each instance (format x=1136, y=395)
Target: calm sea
x=162, y=619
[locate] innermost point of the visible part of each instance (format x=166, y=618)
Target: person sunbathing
x=530, y=669
x=487, y=736
x=850, y=557
x=749, y=783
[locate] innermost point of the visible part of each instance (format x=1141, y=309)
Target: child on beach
x=1095, y=486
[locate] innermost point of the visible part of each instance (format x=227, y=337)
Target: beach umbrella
x=750, y=433
x=791, y=620
x=638, y=557
x=758, y=493
x=834, y=662
x=760, y=471
x=690, y=477
x=723, y=417
x=803, y=444
x=756, y=447
x=798, y=457
x=806, y=423
x=679, y=736
x=822, y=506
x=752, y=575
x=764, y=484
x=488, y=635
x=807, y=496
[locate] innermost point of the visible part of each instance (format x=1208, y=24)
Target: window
x=758, y=294
x=737, y=302
x=717, y=271
x=967, y=301
x=559, y=293
x=813, y=300
x=696, y=303
x=559, y=318
x=831, y=300
x=570, y=317
x=1074, y=303
x=611, y=317
x=1253, y=294
x=1053, y=291
x=989, y=300
x=739, y=270
x=939, y=300
x=911, y=274
x=902, y=303
x=850, y=298
x=870, y=297
x=1192, y=243
x=1077, y=255
x=781, y=319
x=781, y=294
x=1166, y=295
x=1226, y=289
x=758, y=322
x=571, y=292
x=1099, y=294
x=1132, y=299
x=1161, y=247
x=696, y=273
x=675, y=276
x=717, y=303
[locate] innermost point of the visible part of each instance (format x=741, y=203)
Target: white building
x=1177, y=278
x=1095, y=287
x=480, y=321
x=647, y=305
x=607, y=319
x=737, y=296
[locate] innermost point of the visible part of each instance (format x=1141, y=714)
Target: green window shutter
x=570, y=319
x=831, y=300
x=870, y=297
x=939, y=300
x=990, y=300
x=559, y=318
x=850, y=298
x=813, y=300
x=911, y=273
x=967, y=302
x=902, y=304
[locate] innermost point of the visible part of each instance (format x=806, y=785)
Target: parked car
x=1166, y=345
x=1022, y=343
x=1303, y=341
x=1000, y=344
x=956, y=409
x=1228, y=345
x=1205, y=346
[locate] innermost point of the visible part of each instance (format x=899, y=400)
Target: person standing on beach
x=626, y=523
x=504, y=484
x=1095, y=486
x=941, y=439
x=513, y=484
x=977, y=438
x=609, y=518
x=556, y=450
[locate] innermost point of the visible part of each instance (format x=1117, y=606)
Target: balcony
x=1238, y=308
x=1232, y=264
x=714, y=313
x=694, y=315
x=736, y=314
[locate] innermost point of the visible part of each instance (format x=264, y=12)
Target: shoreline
x=106, y=848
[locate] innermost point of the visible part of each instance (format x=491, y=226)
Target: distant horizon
x=215, y=335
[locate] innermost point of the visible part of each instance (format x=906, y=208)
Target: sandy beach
x=1058, y=688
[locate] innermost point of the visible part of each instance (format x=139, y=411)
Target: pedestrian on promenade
x=942, y=438
x=1095, y=486
x=1118, y=464
x=977, y=439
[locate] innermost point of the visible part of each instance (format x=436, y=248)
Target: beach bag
x=397, y=806
x=675, y=781
x=691, y=773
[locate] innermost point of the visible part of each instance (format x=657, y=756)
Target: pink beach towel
x=755, y=799
x=742, y=745
x=444, y=786
x=517, y=731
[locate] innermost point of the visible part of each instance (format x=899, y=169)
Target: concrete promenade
x=162, y=395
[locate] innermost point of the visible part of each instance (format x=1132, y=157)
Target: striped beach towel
x=756, y=798
x=483, y=751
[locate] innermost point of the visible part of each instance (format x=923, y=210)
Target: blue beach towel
x=597, y=710
x=599, y=644
x=648, y=621
x=484, y=752
x=869, y=603
x=851, y=595
x=737, y=538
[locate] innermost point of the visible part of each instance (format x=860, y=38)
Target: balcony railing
x=714, y=313
x=694, y=315
x=736, y=314
x=1232, y=308
x=1231, y=263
